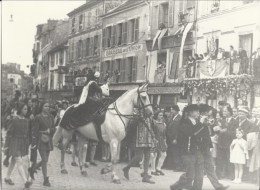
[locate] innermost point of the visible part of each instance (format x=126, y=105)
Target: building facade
x=219, y=26
x=85, y=32
x=172, y=40
x=123, y=54
x=41, y=48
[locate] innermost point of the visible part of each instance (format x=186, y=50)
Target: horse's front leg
x=82, y=154
x=114, y=154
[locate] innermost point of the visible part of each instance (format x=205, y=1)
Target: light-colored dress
x=238, y=151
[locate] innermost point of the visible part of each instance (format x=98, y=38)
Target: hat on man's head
x=243, y=109
x=176, y=108
x=192, y=107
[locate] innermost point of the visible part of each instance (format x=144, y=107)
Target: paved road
x=95, y=181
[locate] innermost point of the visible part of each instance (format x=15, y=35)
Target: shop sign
x=128, y=49
x=80, y=81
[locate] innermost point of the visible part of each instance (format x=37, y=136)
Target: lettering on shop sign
x=127, y=49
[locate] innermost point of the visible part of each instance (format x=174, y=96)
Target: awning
x=160, y=34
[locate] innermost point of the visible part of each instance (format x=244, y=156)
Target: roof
x=126, y=5
x=84, y=6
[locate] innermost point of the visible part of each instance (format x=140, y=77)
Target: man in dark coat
x=227, y=132
x=172, y=160
x=191, y=149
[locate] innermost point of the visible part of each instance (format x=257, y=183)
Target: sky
x=18, y=36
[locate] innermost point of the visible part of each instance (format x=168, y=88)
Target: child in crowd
x=238, y=154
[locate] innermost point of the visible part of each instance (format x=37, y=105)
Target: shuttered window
x=108, y=36
x=91, y=51
x=119, y=34
x=112, y=66
x=113, y=36
x=96, y=45
x=124, y=33
x=104, y=39
x=84, y=48
x=171, y=14
x=87, y=47
x=122, y=70
x=134, y=68
x=136, y=29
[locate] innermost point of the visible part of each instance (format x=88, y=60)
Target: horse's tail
x=57, y=136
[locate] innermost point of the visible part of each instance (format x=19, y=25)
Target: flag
x=213, y=68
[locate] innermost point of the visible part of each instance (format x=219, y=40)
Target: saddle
x=93, y=110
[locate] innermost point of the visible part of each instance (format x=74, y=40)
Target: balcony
x=170, y=42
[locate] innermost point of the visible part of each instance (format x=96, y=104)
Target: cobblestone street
x=74, y=180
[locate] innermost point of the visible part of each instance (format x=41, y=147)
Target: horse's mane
x=123, y=95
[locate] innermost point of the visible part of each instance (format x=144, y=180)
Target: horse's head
x=142, y=101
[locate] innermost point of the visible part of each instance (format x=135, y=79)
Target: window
x=163, y=14
x=79, y=49
x=131, y=69
x=91, y=50
x=60, y=81
x=80, y=22
x=119, y=32
x=88, y=47
x=89, y=19
x=72, y=51
x=124, y=33
x=113, y=36
x=133, y=30
x=52, y=81
x=97, y=15
x=96, y=45
x=73, y=25
x=61, y=57
x=108, y=36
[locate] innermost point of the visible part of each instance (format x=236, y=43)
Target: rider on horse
x=89, y=104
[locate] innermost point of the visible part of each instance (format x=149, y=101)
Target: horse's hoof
x=64, y=171
x=84, y=173
x=116, y=181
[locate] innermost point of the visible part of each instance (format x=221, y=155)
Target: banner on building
x=212, y=68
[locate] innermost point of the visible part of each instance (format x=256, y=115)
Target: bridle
x=141, y=109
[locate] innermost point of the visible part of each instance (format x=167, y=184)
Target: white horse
x=113, y=128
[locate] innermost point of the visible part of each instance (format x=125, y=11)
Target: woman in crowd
x=238, y=154
x=42, y=141
x=17, y=145
x=160, y=147
x=227, y=132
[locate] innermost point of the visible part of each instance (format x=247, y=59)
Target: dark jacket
x=192, y=138
x=172, y=128
x=226, y=138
